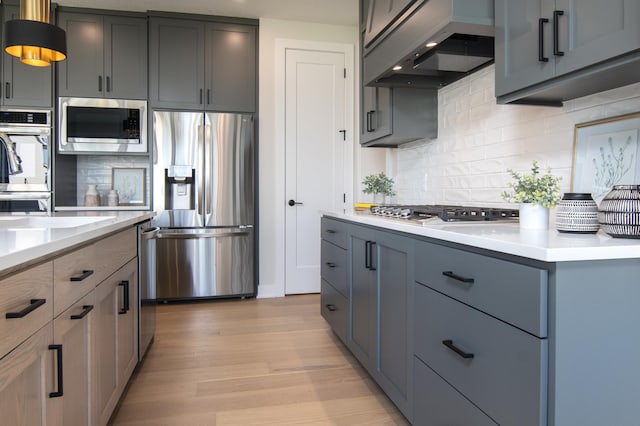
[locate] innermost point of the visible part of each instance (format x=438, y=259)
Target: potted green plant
x=378, y=184
x=536, y=193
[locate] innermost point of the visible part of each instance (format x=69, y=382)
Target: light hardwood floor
x=251, y=362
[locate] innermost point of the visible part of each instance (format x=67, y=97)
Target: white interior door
x=315, y=87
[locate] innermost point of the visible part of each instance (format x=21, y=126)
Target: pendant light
x=32, y=38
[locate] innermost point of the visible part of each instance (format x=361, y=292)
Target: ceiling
x=337, y=12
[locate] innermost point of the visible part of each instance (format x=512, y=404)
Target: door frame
x=281, y=47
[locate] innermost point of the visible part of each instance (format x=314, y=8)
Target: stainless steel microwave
x=96, y=125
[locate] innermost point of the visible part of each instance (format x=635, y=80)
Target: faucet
x=14, y=161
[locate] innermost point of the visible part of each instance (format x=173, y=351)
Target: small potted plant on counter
x=536, y=193
x=377, y=185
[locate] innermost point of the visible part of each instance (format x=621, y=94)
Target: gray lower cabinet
x=106, y=56
x=23, y=85
x=202, y=65
x=539, y=41
x=334, y=291
x=380, y=329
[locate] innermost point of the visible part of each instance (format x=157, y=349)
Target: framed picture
x=130, y=184
x=605, y=153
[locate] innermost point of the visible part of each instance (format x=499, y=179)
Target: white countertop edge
x=547, y=246
x=79, y=235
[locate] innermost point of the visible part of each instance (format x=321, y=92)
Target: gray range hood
x=462, y=29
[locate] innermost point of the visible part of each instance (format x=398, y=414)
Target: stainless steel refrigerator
x=203, y=193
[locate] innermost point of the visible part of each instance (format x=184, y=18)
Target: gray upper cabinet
x=24, y=85
x=549, y=51
x=376, y=113
x=202, y=65
x=380, y=14
x=106, y=56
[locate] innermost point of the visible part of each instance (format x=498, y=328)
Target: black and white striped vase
x=577, y=213
x=619, y=212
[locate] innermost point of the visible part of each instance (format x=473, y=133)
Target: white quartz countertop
x=548, y=246
x=26, y=238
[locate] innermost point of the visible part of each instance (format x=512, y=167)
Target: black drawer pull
x=85, y=274
x=332, y=307
x=85, y=311
x=33, y=305
x=457, y=277
x=463, y=354
x=58, y=393
x=330, y=231
x=125, y=309
x=331, y=265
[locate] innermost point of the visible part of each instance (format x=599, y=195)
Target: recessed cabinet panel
x=125, y=57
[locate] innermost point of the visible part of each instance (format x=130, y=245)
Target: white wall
x=478, y=140
x=271, y=148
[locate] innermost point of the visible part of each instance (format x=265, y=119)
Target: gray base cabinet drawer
x=334, y=309
x=436, y=403
x=334, y=266
x=512, y=292
x=334, y=231
x=499, y=368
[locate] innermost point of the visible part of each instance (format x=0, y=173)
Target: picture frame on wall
x=130, y=184
x=605, y=153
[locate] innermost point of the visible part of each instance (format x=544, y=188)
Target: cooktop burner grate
x=446, y=213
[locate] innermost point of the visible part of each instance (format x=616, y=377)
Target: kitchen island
x=482, y=323
x=69, y=333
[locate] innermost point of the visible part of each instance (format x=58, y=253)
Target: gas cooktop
x=446, y=213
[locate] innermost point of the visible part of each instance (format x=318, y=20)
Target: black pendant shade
x=35, y=43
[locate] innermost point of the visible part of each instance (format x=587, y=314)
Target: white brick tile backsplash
x=478, y=140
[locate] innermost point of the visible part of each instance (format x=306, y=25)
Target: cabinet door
x=395, y=284
x=592, y=31
x=26, y=379
x=176, y=61
x=125, y=57
x=363, y=302
x=24, y=85
x=230, y=68
x=519, y=61
x=376, y=114
x=81, y=74
x=116, y=337
x=381, y=14
x=72, y=330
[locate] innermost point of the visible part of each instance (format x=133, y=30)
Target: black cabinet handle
x=85, y=310
x=369, y=121
x=330, y=231
x=125, y=309
x=457, y=277
x=7, y=90
x=85, y=274
x=208, y=96
x=556, y=42
x=99, y=83
x=200, y=96
x=58, y=349
x=368, y=256
x=373, y=113
x=331, y=265
x=108, y=84
x=463, y=354
x=332, y=307
x=33, y=305
x=541, y=23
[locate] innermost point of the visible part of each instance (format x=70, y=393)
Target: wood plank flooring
x=251, y=362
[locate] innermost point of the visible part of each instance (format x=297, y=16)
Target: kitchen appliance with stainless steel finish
x=97, y=125
x=425, y=213
x=203, y=180
x=146, y=286
x=25, y=161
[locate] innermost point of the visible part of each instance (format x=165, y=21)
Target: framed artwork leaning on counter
x=130, y=184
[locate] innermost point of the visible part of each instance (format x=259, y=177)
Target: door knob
x=294, y=203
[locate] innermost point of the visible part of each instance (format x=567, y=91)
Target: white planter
x=534, y=216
